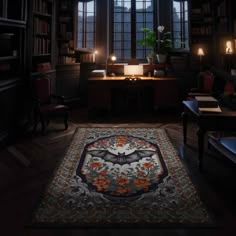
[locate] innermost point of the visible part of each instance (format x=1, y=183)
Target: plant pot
x=161, y=58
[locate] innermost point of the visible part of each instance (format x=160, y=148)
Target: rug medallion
x=128, y=176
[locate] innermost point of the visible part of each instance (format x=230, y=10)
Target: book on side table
x=207, y=104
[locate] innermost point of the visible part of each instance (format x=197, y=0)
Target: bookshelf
x=12, y=30
x=212, y=24
x=202, y=28
x=41, y=40
x=43, y=34
x=67, y=69
x=65, y=32
x=13, y=15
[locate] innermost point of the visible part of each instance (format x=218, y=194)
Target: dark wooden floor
x=26, y=166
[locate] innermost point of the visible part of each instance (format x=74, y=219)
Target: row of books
x=66, y=60
x=43, y=67
x=41, y=26
x=41, y=46
x=203, y=30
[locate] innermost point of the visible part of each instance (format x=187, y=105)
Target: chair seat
x=53, y=108
x=229, y=143
x=226, y=146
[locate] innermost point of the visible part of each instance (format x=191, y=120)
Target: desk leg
x=201, y=134
x=185, y=124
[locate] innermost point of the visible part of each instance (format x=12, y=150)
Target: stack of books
x=207, y=104
x=98, y=73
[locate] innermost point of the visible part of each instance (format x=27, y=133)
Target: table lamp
x=200, y=53
x=113, y=59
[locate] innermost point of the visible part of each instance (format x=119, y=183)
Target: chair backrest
x=42, y=87
x=229, y=87
x=206, y=81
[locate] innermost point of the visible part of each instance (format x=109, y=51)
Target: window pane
x=127, y=17
x=125, y=37
x=89, y=36
x=127, y=27
x=140, y=17
x=86, y=24
x=127, y=5
x=176, y=6
x=180, y=24
x=90, y=27
x=149, y=17
x=118, y=17
x=117, y=36
x=90, y=6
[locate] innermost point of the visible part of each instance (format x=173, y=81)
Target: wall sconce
x=228, y=47
x=94, y=55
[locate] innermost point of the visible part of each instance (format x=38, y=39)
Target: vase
x=161, y=58
x=150, y=60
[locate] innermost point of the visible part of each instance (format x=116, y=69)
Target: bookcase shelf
x=13, y=25
x=213, y=23
x=65, y=32
x=43, y=33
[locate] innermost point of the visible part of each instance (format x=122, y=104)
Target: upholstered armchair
x=47, y=105
x=225, y=145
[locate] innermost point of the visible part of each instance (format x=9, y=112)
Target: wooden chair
x=204, y=85
x=47, y=105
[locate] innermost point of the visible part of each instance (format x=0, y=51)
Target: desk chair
x=47, y=105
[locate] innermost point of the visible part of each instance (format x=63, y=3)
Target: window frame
x=84, y=43
x=133, y=32
x=183, y=21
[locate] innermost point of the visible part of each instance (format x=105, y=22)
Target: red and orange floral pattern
x=122, y=179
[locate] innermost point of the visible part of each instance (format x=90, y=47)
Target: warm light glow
x=113, y=58
x=229, y=47
x=94, y=55
x=133, y=70
x=200, y=52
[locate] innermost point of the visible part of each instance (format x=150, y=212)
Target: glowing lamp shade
x=200, y=52
x=228, y=47
x=113, y=59
x=133, y=70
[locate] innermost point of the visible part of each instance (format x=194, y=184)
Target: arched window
x=180, y=24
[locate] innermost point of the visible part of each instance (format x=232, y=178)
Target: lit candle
x=94, y=55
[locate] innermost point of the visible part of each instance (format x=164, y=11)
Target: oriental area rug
x=120, y=176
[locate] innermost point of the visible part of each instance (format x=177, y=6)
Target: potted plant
x=159, y=44
x=164, y=44
x=150, y=41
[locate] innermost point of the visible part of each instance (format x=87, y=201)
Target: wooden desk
x=102, y=89
x=224, y=121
